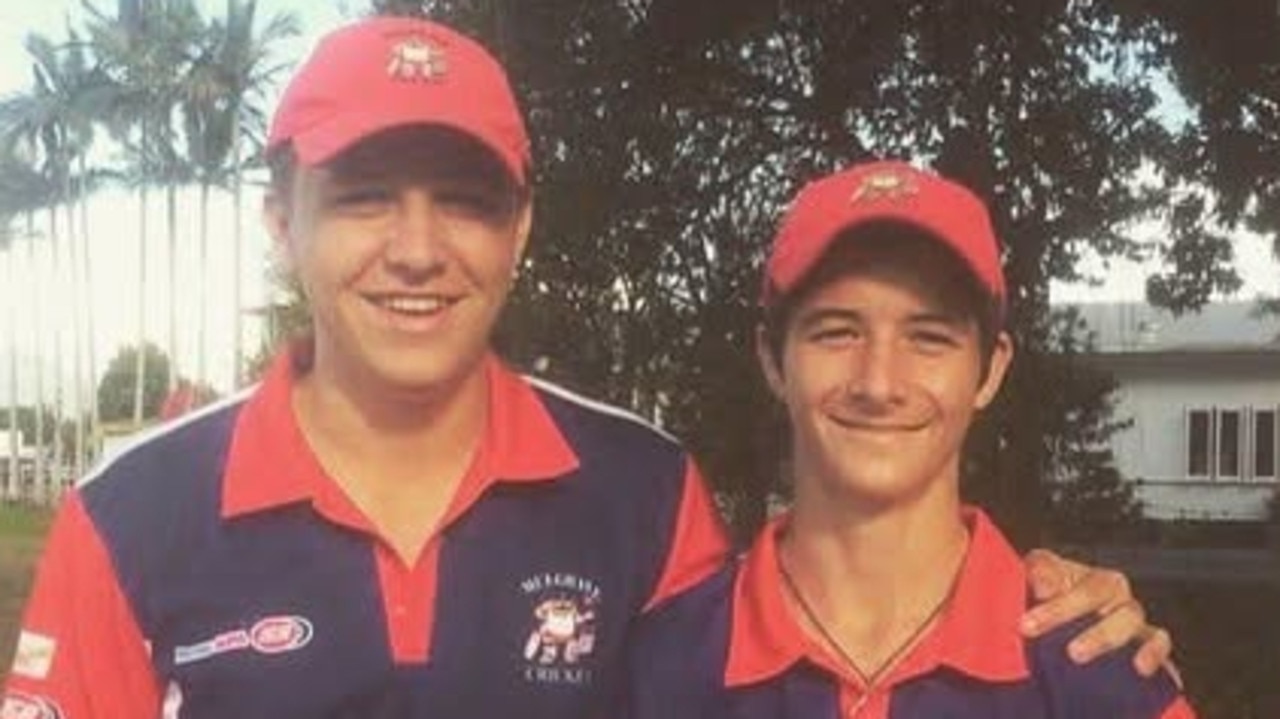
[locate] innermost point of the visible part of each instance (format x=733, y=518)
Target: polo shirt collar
x=270, y=464
x=977, y=635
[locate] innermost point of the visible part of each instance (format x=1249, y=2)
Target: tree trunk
x=77, y=338
x=140, y=367
x=237, y=250
x=171, y=226
x=202, y=326
x=59, y=378
x=37, y=332
x=12, y=485
x=91, y=337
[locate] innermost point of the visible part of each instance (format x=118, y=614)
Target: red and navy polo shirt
x=731, y=647
x=214, y=570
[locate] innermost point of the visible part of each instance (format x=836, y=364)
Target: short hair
x=282, y=167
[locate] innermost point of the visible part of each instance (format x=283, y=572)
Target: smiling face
x=405, y=246
x=881, y=368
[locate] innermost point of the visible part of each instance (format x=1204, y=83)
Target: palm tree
x=145, y=49
x=9, y=241
x=52, y=123
x=11, y=169
x=223, y=108
x=25, y=190
x=87, y=308
x=77, y=81
x=26, y=127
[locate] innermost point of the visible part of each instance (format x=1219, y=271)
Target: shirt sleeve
x=699, y=544
x=80, y=652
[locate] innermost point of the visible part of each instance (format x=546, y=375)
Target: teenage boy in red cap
x=878, y=595
x=394, y=524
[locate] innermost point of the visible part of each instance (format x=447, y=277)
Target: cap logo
x=886, y=185
x=417, y=59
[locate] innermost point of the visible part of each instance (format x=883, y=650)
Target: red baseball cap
x=387, y=72
x=883, y=191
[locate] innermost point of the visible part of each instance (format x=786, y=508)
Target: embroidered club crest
x=417, y=59
x=564, y=633
x=563, y=627
x=884, y=186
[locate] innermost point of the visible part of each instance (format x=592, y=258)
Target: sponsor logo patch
x=277, y=635
x=25, y=706
x=565, y=611
x=34, y=657
x=271, y=635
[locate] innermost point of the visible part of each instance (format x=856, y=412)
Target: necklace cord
x=869, y=681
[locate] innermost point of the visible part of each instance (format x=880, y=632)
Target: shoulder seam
x=151, y=435
x=598, y=406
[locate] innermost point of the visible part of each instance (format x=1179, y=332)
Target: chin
x=878, y=485
x=425, y=371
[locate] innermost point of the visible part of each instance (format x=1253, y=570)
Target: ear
x=770, y=367
x=1001, y=358
x=275, y=215
x=276, y=219
x=524, y=225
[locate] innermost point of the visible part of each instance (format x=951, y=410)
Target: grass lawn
x=22, y=531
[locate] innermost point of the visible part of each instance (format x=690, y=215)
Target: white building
x=1203, y=392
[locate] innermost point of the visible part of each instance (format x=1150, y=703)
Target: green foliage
x=1226, y=637
x=20, y=521
x=286, y=320
x=667, y=140
x=1084, y=498
x=27, y=427
x=115, y=392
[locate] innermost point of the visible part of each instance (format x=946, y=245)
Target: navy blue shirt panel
x=675, y=664
x=677, y=667
x=199, y=584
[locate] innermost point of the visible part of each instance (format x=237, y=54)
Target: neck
x=873, y=575
x=399, y=457
x=351, y=421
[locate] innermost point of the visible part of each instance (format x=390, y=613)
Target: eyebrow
x=825, y=314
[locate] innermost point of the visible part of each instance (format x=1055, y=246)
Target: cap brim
x=797, y=268
x=321, y=143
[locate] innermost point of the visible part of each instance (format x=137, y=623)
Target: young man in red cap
x=393, y=524
x=878, y=595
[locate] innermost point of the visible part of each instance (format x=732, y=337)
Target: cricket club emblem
x=417, y=59
x=884, y=186
x=564, y=633
x=563, y=627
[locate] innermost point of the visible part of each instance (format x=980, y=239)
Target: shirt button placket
x=855, y=710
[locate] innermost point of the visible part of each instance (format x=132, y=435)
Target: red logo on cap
x=417, y=59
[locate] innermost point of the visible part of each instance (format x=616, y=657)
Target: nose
x=416, y=241
x=876, y=379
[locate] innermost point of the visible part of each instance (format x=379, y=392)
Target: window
x=1199, y=442
x=1264, y=443
x=1234, y=443
x=1229, y=443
